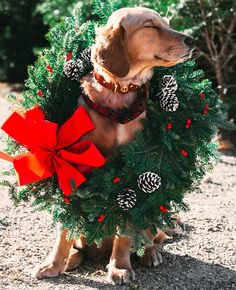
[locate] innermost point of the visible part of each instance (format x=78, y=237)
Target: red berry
x=49, y=68
x=169, y=126
x=40, y=93
x=205, y=112
x=163, y=209
x=69, y=56
x=184, y=152
x=202, y=95
x=206, y=107
x=101, y=218
x=188, y=122
x=116, y=180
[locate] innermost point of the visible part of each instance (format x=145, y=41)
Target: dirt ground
x=202, y=257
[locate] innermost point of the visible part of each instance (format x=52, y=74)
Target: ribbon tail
x=29, y=169
x=67, y=175
x=6, y=157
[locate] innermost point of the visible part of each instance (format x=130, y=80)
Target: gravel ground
x=203, y=257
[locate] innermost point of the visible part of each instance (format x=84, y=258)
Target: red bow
x=52, y=149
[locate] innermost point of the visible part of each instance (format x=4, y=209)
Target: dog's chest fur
x=107, y=133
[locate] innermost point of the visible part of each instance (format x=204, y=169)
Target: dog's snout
x=189, y=41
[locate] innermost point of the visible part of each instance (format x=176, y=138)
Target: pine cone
x=169, y=104
x=73, y=68
x=126, y=199
x=168, y=81
x=149, y=182
x=168, y=99
x=86, y=54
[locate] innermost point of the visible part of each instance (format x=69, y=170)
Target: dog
x=133, y=42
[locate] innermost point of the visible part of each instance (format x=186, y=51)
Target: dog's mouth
x=161, y=58
x=158, y=58
x=188, y=55
x=184, y=57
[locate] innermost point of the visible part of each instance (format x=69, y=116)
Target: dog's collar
x=122, y=116
x=114, y=86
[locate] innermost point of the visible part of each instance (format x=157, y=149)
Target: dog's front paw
x=75, y=260
x=48, y=269
x=120, y=276
x=151, y=258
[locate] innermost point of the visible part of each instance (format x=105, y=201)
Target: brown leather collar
x=113, y=86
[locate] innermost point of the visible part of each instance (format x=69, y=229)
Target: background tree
x=213, y=23
x=21, y=32
x=54, y=11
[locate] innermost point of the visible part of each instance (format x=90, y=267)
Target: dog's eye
x=153, y=27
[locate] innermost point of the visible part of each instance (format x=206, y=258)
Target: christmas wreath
x=142, y=184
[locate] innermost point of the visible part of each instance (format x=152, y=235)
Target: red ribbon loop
x=53, y=150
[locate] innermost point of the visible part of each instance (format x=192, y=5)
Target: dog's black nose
x=189, y=41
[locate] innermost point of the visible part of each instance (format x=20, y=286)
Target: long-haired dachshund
x=134, y=41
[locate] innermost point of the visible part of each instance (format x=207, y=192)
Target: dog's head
x=140, y=38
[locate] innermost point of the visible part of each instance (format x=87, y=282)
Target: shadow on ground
x=177, y=272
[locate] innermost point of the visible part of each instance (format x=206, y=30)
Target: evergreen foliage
x=180, y=155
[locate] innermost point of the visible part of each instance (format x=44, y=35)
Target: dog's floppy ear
x=110, y=51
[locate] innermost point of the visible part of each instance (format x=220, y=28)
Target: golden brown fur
x=133, y=42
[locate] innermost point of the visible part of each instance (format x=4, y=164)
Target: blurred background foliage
x=23, y=24
x=21, y=36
